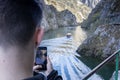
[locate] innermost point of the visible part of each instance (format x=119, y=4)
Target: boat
x=68, y=35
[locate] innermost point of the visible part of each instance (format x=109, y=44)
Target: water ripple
x=62, y=52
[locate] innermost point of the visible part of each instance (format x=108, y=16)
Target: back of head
x=18, y=21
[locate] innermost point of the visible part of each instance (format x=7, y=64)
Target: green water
x=107, y=70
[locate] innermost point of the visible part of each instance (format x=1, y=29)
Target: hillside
x=104, y=25
x=90, y=3
x=77, y=8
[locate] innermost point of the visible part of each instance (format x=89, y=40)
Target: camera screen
x=41, y=57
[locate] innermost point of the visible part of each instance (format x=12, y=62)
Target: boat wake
x=62, y=52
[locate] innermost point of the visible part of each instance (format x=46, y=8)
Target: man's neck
x=15, y=64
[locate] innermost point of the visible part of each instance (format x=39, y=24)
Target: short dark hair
x=18, y=21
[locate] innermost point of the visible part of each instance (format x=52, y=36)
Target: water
x=106, y=71
x=62, y=52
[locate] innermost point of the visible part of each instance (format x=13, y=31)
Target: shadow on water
x=106, y=71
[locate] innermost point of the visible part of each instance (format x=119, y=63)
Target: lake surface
x=62, y=52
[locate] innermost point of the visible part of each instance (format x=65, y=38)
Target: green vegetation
x=95, y=17
x=93, y=21
x=50, y=15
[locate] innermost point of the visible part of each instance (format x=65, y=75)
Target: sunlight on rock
x=77, y=8
x=79, y=35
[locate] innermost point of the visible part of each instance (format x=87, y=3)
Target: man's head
x=18, y=21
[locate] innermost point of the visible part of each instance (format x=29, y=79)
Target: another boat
x=68, y=35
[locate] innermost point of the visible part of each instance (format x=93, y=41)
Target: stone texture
x=63, y=13
x=104, y=41
x=90, y=3
x=52, y=19
x=103, y=24
x=105, y=12
x=76, y=7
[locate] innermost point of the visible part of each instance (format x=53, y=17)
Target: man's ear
x=38, y=35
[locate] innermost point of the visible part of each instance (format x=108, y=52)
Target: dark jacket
x=52, y=76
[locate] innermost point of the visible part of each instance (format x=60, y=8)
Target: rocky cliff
x=62, y=13
x=104, y=41
x=76, y=7
x=52, y=18
x=103, y=22
x=106, y=11
x=90, y=3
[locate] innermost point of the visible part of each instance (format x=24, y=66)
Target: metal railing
x=105, y=62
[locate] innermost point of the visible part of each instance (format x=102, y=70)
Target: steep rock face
x=90, y=3
x=62, y=13
x=52, y=19
x=76, y=7
x=49, y=21
x=104, y=41
x=104, y=25
x=106, y=11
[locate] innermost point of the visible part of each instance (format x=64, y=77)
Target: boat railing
x=112, y=56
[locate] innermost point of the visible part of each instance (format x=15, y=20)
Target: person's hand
x=36, y=68
x=49, y=67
